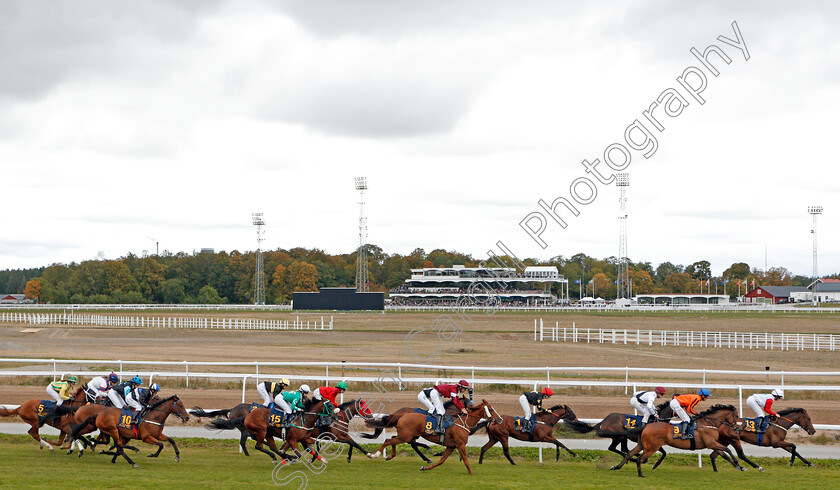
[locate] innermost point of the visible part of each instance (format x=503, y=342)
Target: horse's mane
x=556, y=407
x=789, y=411
x=157, y=404
x=662, y=406
x=717, y=408
x=346, y=404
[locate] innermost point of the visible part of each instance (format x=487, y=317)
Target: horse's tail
x=480, y=426
x=54, y=413
x=223, y=424
x=375, y=434
x=581, y=427
x=200, y=412
x=5, y=412
x=380, y=423
x=76, y=428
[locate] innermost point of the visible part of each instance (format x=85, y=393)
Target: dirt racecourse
x=503, y=339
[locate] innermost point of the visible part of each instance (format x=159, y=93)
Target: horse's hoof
x=811, y=464
x=177, y=459
x=614, y=468
x=136, y=465
x=760, y=469
x=136, y=451
x=742, y=468
x=422, y=468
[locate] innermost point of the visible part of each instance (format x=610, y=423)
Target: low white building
x=825, y=290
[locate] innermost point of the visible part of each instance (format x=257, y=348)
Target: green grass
x=216, y=464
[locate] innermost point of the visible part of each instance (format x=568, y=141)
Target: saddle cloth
x=127, y=418
x=752, y=425
x=521, y=423
x=253, y=406
x=45, y=405
x=431, y=423
x=632, y=421
x=421, y=411
x=276, y=417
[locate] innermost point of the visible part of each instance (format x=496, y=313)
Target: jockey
x=291, y=401
x=143, y=397
x=327, y=394
x=98, y=387
x=269, y=391
x=683, y=406
x=118, y=394
x=644, y=402
x=60, y=390
x=761, y=404
x=529, y=398
x=432, y=399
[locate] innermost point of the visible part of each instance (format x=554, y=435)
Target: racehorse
x=391, y=420
x=412, y=425
x=28, y=411
x=614, y=426
x=719, y=422
x=542, y=431
x=775, y=434
x=83, y=421
x=341, y=424
x=149, y=431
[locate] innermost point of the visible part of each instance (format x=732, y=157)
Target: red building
x=772, y=294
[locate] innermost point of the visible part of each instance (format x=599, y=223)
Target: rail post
x=626, y=378
x=55, y=368
x=187, y=371
x=740, y=401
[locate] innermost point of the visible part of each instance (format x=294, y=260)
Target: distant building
x=432, y=286
x=776, y=294
x=208, y=251
x=825, y=290
x=676, y=299
x=13, y=299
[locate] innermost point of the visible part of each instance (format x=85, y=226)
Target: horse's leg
x=165, y=438
x=41, y=443
x=490, y=443
x=724, y=452
x=394, y=440
x=736, y=443
x=151, y=440
x=443, y=457
x=416, y=447
x=462, y=450
x=260, y=437
x=557, y=445
x=120, y=444
x=504, y=441
x=614, y=446
x=661, y=458
x=243, y=438
x=791, y=448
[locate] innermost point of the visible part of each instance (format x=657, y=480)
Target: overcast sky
x=127, y=123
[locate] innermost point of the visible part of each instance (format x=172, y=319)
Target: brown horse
x=542, y=431
x=775, y=434
x=149, y=431
x=83, y=421
x=614, y=426
x=411, y=426
x=712, y=424
x=380, y=424
x=56, y=417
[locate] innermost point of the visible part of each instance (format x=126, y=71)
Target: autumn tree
x=33, y=289
x=301, y=277
x=642, y=282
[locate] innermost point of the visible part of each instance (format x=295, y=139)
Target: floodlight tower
x=361, y=252
x=259, y=277
x=815, y=211
x=622, y=181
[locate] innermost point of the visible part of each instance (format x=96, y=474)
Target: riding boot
x=439, y=419
x=684, y=430
x=765, y=421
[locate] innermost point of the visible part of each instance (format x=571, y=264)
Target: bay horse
x=412, y=426
x=83, y=421
x=28, y=411
x=775, y=434
x=388, y=421
x=613, y=426
x=717, y=421
x=542, y=431
x=149, y=431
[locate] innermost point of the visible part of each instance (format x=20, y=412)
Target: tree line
x=215, y=278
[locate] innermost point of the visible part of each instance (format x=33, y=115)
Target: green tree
x=700, y=270
x=680, y=282
x=738, y=270
x=172, y=291
x=209, y=296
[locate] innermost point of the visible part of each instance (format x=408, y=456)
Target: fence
x=680, y=338
x=73, y=318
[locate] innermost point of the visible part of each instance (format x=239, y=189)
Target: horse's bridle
x=734, y=426
x=792, y=423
